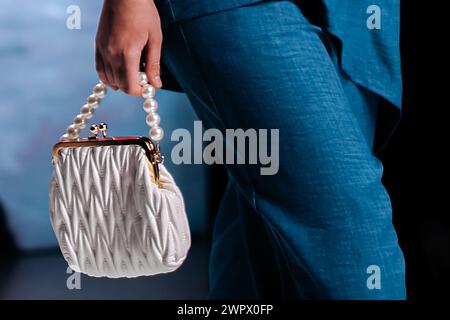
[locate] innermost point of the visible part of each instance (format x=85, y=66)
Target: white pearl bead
x=80, y=121
x=72, y=136
x=143, y=78
x=148, y=91
x=150, y=105
x=65, y=136
x=153, y=119
x=86, y=111
x=100, y=90
x=93, y=101
x=156, y=133
x=73, y=131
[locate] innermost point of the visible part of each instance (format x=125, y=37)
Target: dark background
x=416, y=159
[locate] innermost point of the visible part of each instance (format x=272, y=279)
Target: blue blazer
x=370, y=57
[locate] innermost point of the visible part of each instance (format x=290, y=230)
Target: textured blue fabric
x=370, y=57
x=312, y=230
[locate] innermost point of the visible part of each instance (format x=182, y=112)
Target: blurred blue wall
x=46, y=73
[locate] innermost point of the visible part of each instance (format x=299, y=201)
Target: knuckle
x=111, y=50
x=102, y=45
x=131, y=53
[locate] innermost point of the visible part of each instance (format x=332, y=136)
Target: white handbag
x=115, y=209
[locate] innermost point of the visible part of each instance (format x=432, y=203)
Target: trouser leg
x=326, y=210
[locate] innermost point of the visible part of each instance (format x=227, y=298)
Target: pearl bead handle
x=153, y=119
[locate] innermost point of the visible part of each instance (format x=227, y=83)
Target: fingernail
x=158, y=81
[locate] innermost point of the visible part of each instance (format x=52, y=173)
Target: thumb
x=152, y=62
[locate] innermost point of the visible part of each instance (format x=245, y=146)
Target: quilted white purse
x=115, y=209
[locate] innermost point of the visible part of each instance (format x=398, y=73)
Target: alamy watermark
x=73, y=21
x=74, y=280
x=235, y=146
x=373, y=22
x=374, y=279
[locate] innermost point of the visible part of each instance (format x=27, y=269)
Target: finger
x=152, y=63
x=100, y=67
x=129, y=81
x=110, y=74
x=106, y=56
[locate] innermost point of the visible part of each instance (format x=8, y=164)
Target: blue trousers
x=321, y=228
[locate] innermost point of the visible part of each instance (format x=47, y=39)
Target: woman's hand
x=126, y=28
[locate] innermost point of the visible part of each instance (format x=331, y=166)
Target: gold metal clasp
x=153, y=154
x=96, y=128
